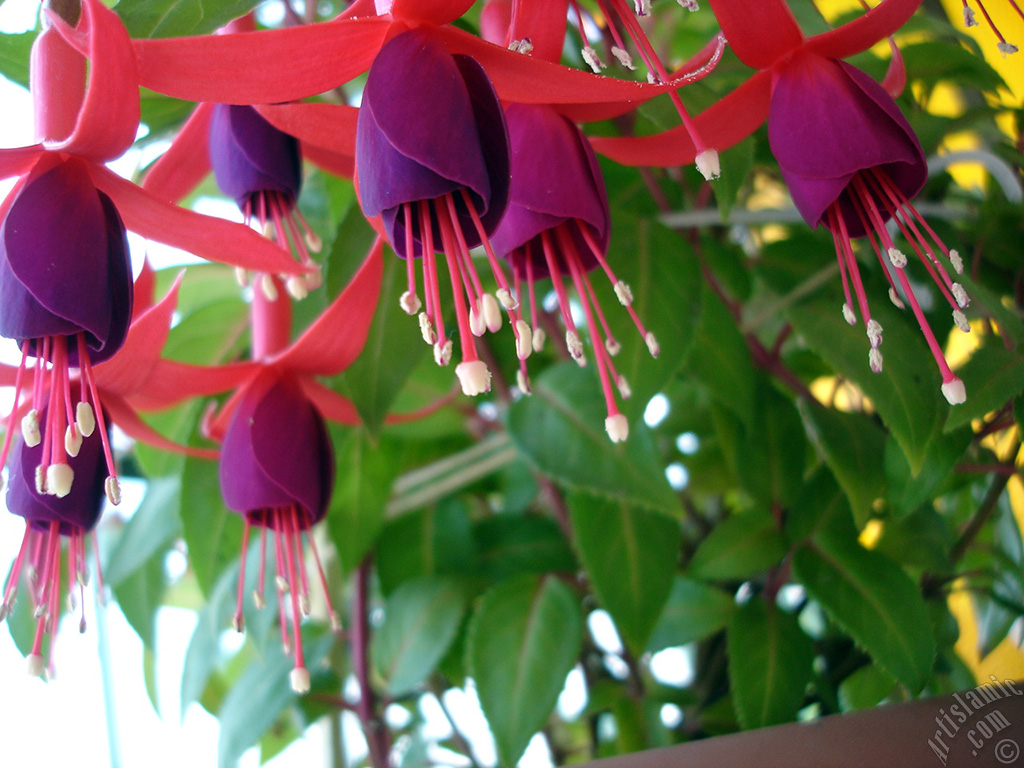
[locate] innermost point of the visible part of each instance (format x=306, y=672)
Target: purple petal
x=80, y=508
x=276, y=453
x=249, y=156
x=555, y=179
x=64, y=265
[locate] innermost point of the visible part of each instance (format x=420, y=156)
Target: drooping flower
x=49, y=521
x=557, y=226
x=277, y=470
x=432, y=162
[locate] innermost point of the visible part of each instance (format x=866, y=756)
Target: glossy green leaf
x=14, y=54
x=629, y=555
x=178, y=18
x=150, y=528
x=907, y=490
x=560, y=428
x=512, y=544
x=421, y=618
x=738, y=547
x=770, y=661
x=437, y=541
x=213, y=534
x=523, y=640
x=993, y=376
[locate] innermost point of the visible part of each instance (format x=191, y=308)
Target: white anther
x=474, y=376
x=267, y=287
x=962, y=299
x=82, y=625
x=40, y=611
x=895, y=299
x=642, y=7
x=443, y=353
x=477, y=326
x=539, y=337
x=961, y=321
x=574, y=345
x=653, y=79
x=268, y=229
x=623, y=293
x=3, y=611
x=313, y=242
x=297, y=287
x=969, y=20
x=241, y=277
x=954, y=391
x=848, y=315
x=58, y=480
x=35, y=665
x=617, y=428
x=410, y=303
x=30, y=429
x=593, y=60
x=1006, y=48
x=956, y=260
x=304, y=604
x=41, y=480
x=72, y=441
x=612, y=346
x=689, y=5
x=524, y=46
x=315, y=278
x=874, y=331
x=113, y=490
x=335, y=620
x=875, y=360
x=491, y=312
x=258, y=600
x=427, y=329
x=282, y=583
x=897, y=257
x=624, y=389
x=238, y=623
x=652, y=344
x=300, y=680
x=508, y=301
x=85, y=419
x=623, y=57
x=524, y=383
x=708, y=164
x=524, y=342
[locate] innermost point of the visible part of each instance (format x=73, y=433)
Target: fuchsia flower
x=557, y=226
x=49, y=519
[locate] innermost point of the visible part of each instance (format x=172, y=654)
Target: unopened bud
x=30, y=429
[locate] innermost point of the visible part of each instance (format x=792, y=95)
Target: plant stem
x=377, y=738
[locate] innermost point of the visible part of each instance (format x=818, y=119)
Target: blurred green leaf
x=213, y=534
x=523, y=640
x=14, y=56
x=694, y=610
x=738, y=547
x=179, y=18
x=993, y=376
x=437, y=540
x=629, y=555
x=507, y=545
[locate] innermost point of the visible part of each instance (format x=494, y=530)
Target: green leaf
x=364, y=473
x=993, y=376
x=736, y=163
x=630, y=556
x=907, y=490
x=853, y=446
x=523, y=641
x=259, y=695
x=693, y=611
x=393, y=349
x=738, y=547
x=150, y=529
x=512, y=544
x=770, y=664
x=140, y=596
x=935, y=61
x=560, y=428
x=421, y=618
x=719, y=359
x=433, y=541
x=178, y=18
x=14, y=56
x=213, y=533
x=869, y=596
x=906, y=392
x=866, y=687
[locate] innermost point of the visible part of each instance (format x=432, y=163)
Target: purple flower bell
x=261, y=168
x=557, y=225
x=852, y=162
x=66, y=297
x=50, y=519
x=277, y=469
x=432, y=161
